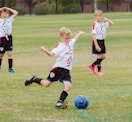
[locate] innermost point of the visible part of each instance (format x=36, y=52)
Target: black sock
x=37, y=80
x=99, y=64
x=0, y=62
x=10, y=63
x=63, y=96
x=99, y=68
x=94, y=63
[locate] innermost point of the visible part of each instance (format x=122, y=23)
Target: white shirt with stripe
x=64, y=53
x=100, y=29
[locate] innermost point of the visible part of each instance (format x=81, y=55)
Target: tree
x=34, y=2
x=108, y=3
x=131, y=5
x=70, y=6
x=9, y=3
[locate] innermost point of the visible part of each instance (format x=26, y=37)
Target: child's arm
x=15, y=13
x=76, y=37
x=106, y=19
x=49, y=53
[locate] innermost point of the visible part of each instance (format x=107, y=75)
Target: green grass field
x=110, y=96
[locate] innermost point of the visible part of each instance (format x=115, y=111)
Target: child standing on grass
x=98, y=34
x=62, y=67
x=6, y=39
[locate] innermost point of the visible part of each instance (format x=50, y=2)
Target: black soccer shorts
x=59, y=74
x=6, y=44
x=101, y=43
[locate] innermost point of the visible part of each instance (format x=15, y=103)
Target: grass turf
x=110, y=96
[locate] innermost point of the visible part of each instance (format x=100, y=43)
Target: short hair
x=65, y=31
x=98, y=11
x=5, y=10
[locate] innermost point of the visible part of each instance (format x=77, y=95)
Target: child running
x=98, y=46
x=62, y=67
x=6, y=39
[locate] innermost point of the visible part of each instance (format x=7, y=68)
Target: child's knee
x=68, y=86
x=9, y=55
x=1, y=56
x=45, y=83
x=104, y=57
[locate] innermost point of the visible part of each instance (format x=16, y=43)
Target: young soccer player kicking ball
x=98, y=47
x=62, y=67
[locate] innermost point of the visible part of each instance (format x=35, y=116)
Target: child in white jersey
x=98, y=47
x=6, y=39
x=61, y=69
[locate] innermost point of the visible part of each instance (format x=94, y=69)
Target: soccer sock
x=0, y=62
x=99, y=64
x=94, y=63
x=63, y=96
x=37, y=80
x=10, y=62
x=99, y=68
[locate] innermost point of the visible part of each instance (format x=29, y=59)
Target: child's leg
x=1, y=56
x=66, y=90
x=10, y=60
x=37, y=80
x=100, y=59
x=99, y=64
x=94, y=63
x=63, y=96
x=45, y=83
x=92, y=67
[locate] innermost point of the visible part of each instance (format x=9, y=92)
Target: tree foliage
x=9, y=3
x=34, y=2
x=110, y=3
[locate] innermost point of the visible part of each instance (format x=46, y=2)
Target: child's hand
x=98, y=48
x=43, y=49
x=104, y=19
x=1, y=9
x=49, y=53
x=76, y=37
x=81, y=32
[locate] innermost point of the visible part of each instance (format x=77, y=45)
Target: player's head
x=4, y=13
x=98, y=15
x=65, y=34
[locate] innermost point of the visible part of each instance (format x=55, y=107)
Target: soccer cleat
x=11, y=70
x=92, y=68
x=100, y=73
x=30, y=80
x=61, y=105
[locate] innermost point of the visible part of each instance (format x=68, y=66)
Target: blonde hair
x=65, y=31
x=98, y=11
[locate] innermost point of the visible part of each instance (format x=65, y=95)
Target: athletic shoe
x=60, y=104
x=30, y=80
x=92, y=68
x=100, y=73
x=11, y=70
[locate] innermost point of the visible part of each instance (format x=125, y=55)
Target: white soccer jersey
x=6, y=26
x=99, y=29
x=64, y=53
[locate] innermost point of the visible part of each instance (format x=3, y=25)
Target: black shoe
x=60, y=104
x=30, y=80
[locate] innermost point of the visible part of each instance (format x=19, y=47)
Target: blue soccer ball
x=81, y=102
